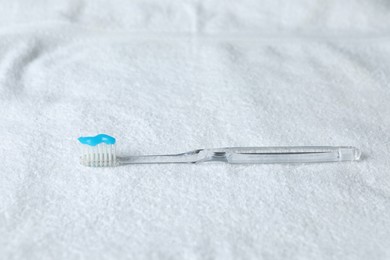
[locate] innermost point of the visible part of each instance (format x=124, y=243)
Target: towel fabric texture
x=173, y=76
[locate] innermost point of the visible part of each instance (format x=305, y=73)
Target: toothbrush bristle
x=101, y=155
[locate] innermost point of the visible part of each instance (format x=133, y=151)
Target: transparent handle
x=303, y=154
x=235, y=155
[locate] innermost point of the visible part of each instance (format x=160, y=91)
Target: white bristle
x=102, y=155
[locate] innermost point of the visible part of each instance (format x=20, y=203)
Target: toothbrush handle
x=303, y=154
x=253, y=155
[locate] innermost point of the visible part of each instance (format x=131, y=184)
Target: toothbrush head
x=98, y=151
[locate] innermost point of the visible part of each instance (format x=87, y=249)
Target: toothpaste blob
x=98, y=139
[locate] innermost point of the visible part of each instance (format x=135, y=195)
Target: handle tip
x=349, y=154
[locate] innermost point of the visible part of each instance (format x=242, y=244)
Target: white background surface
x=172, y=76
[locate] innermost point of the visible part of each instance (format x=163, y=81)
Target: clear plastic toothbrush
x=99, y=151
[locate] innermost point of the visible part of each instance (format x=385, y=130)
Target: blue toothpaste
x=98, y=139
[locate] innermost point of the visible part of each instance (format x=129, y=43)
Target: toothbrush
x=99, y=151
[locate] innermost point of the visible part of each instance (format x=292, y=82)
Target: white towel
x=173, y=76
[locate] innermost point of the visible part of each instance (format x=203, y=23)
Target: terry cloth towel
x=173, y=76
